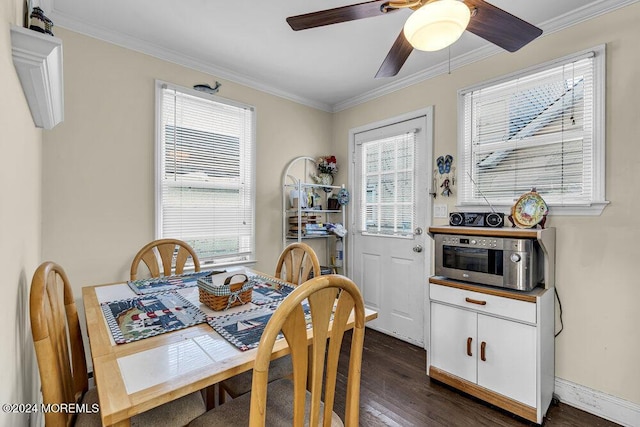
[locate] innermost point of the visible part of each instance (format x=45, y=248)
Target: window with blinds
x=205, y=174
x=388, y=177
x=539, y=129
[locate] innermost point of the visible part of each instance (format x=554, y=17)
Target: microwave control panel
x=472, y=241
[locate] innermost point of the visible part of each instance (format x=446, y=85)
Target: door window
x=388, y=194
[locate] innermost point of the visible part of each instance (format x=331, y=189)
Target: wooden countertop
x=519, y=233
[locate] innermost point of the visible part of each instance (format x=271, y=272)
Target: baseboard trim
x=597, y=403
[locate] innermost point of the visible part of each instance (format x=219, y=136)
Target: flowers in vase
x=327, y=167
x=327, y=164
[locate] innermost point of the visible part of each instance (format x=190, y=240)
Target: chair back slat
x=321, y=304
x=181, y=259
x=341, y=316
x=321, y=293
x=57, y=339
x=295, y=331
x=166, y=251
x=150, y=259
x=164, y=257
x=58, y=333
x=296, y=262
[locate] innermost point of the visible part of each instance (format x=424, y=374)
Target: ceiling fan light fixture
x=437, y=24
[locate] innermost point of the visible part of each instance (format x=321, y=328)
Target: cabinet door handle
x=483, y=357
x=469, y=346
x=475, y=301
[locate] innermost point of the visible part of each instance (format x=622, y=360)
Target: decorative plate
x=343, y=196
x=529, y=210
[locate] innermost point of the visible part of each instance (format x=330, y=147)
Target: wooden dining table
x=137, y=376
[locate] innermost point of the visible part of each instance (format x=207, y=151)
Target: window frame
x=394, y=137
x=159, y=171
x=598, y=200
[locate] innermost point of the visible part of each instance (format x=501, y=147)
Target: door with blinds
x=391, y=251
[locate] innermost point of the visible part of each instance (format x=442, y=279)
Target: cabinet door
x=509, y=365
x=451, y=330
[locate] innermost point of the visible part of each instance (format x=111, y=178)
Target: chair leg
x=209, y=395
x=222, y=394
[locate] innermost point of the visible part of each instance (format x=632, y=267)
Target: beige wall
x=597, y=256
x=98, y=189
x=20, y=216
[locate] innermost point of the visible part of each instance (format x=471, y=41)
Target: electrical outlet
x=440, y=211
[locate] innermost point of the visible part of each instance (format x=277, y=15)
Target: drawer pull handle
x=483, y=357
x=475, y=301
x=469, y=346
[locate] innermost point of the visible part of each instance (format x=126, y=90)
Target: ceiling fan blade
x=337, y=15
x=396, y=57
x=500, y=27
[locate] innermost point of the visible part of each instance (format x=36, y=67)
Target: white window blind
x=388, y=175
x=206, y=191
x=534, y=130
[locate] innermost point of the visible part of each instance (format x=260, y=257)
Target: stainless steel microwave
x=495, y=261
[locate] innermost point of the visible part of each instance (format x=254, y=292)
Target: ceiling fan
x=434, y=24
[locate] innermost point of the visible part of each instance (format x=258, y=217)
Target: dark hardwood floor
x=395, y=391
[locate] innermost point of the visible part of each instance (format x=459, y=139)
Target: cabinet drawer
x=484, y=303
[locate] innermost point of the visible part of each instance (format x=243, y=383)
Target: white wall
x=20, y=217
x=596, y=256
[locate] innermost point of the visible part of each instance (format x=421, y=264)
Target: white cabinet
x=507, y=358
x=452, y=332
x=497, y=346
x=494, y=353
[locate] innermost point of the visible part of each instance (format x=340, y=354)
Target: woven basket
x=226, y=296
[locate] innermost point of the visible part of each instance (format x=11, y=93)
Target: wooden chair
x=287, y=402
x=295, y=264
x=61, y=359
x=161, y=253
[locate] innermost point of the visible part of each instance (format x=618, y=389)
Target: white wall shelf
x=294, y=216
x=38, y=60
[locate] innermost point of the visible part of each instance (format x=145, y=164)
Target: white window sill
x=219, y=266
x=593, y=209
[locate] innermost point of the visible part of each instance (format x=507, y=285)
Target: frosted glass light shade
x=437, y=25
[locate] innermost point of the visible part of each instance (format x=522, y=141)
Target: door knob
x=417, y=248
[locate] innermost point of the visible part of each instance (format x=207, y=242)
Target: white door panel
x=371, y=274
x=390, y=199
x=406, y=315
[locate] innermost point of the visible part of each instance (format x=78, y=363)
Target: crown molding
x=151, y=49
x=549, y=27
x=434, y=71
